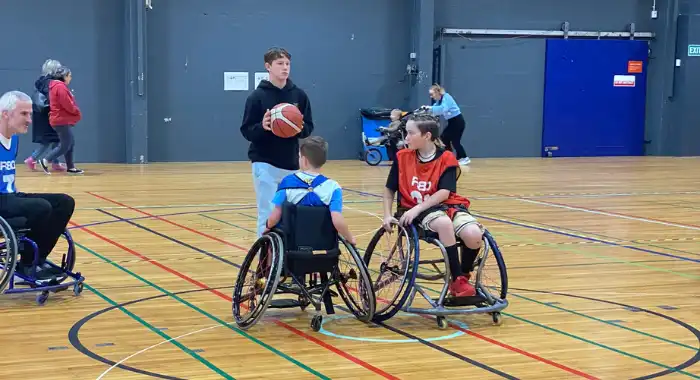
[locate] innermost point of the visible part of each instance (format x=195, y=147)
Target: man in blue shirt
x=308, y=187
x=47, y=215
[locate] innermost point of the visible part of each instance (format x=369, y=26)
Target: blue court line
x=563, y=233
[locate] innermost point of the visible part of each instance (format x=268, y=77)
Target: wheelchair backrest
x=308, y=228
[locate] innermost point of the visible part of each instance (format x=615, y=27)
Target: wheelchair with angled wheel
x=13, y=234
x=303, y=258
x=395, y=271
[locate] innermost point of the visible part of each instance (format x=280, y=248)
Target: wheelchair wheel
x=354, y=283
x=8, y=254
x=393, y=265
x=257, y=280
x=373, y=156
x=492, y=276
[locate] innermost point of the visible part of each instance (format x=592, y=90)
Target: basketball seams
x=278, y=114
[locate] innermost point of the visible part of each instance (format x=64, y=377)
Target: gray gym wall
x=176, y=110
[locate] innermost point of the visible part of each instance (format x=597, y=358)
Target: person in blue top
x=308, y=187
x=46, y=215
x=446, y=107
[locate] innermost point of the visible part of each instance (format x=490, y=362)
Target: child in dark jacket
x=63, y=115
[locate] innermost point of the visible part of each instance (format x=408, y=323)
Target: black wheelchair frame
x=308, y=250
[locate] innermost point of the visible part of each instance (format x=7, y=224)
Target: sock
x=453, y=256
x=468, y=257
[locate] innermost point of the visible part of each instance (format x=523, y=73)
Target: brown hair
x=315, y=149
x=276, y=53
x=428, y=123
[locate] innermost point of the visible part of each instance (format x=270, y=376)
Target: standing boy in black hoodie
x=273, y=157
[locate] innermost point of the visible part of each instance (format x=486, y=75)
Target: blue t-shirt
x=309, y=190
x=7, y=166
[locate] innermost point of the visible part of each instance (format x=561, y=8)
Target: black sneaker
x=41, y=274
x=74, y=171
x=44, y=166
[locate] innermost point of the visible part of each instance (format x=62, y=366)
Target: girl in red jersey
x=425, y=177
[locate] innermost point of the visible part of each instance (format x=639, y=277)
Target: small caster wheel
x=77, y=289
x=42, y=297
x=497, y=318
x=442, y=323
x=316, y=322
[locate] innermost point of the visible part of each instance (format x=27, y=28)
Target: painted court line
x=163, y=335
x=461, y=357
x=572, y=335
x=228, y=298
x=196, y=308
x=117, y=364
x=612, y=214
x=574, y=235
x=476, y=335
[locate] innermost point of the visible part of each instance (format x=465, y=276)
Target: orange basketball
x=287, y=120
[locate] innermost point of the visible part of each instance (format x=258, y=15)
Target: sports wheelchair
x=14, y=237
x=306, y=249
x=395, y=271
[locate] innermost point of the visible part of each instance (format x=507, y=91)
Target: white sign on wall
x=236, y=81
x=260, y=77
x=624, y=80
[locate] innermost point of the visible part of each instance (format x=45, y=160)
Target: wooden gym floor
x=603, y=258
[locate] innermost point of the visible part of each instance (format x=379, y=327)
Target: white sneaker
x=465, y=161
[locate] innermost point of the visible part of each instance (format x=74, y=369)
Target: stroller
x=392, y=140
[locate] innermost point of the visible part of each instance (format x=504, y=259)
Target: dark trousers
x=452, y=135
x=65, y=147
x=47, y=217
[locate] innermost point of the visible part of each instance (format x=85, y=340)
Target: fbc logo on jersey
x=421, y=185
x=7, y=165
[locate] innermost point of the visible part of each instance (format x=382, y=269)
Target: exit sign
x=693, y=50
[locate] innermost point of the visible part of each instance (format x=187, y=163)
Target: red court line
x=201, y=285
x=511, y=348
x=476, y=335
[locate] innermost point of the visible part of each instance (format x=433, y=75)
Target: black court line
x=393, y=329
x=73, y=334
x=688, y=363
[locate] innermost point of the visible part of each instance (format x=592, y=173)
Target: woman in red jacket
x=63, y=115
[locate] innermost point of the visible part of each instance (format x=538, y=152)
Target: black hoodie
x=265, y=146
x=42, y=132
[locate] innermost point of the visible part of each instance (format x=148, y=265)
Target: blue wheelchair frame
x=14, y=232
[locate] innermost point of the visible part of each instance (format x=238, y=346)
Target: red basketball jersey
x=419, y=180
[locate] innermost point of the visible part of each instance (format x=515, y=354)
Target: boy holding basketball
x=273, y=157
x=308, y=187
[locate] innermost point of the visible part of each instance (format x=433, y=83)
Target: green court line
x=588, y=254
x=208, y=315
x=569, y=334
x=521, y=238
x=159, y=332
x=610, y=323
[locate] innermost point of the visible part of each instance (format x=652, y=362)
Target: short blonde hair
x=438, y=88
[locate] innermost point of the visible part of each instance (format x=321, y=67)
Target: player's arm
x=253, y=114
x=336, y=208
x=305, y=108
x=390, y=189
x=276, y=214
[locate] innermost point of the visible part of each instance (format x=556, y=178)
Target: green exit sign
x=693, y=50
